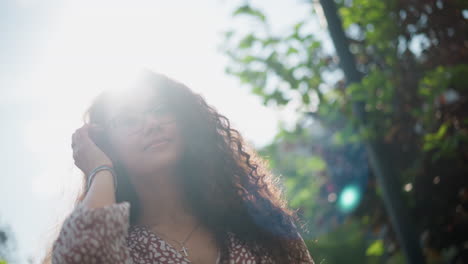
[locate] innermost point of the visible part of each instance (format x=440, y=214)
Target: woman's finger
x=85, y=131
x=75, y=155
x=94, y=132
x=79, y=135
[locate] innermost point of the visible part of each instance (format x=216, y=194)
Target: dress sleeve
x=94, y=235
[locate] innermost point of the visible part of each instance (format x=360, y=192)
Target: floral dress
x=104, y=235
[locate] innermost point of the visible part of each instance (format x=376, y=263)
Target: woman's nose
x=150, y=122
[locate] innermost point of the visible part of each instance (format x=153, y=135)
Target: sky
x=56, y=55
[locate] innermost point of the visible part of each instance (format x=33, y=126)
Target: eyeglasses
x=133, y=121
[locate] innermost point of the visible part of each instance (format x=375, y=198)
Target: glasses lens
x=131, y=122
x=160, y=111
x=127, y=122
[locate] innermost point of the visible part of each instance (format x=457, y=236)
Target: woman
x=177, y=185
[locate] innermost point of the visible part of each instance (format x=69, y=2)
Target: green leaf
x=338, y=138
x=258, y=90
x=376, y=248
x=441, y=132
x=247, y=10
x=316, y=163
x=270, y=41
x=292, y=50
x=247, y=41
x=229, y=34
x=298, y=26
x=437, y=136
x=306, y=99
x=248, y=59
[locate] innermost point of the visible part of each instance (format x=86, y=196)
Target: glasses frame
x=141, y=118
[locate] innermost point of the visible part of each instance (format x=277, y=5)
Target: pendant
x=184, y=249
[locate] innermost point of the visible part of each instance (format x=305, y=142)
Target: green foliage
x=260, y=58
x=414, y=62
x=248, y=10
x=376, y=248
x=436, y=81
x=434, y=139
x=432, y=88
x=300, y=170
x=344, y=244
x=378, y=26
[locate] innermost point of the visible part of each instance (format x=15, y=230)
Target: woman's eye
x=127, y=121
x=159, y=110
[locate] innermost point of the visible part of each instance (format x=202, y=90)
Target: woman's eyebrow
x=126, y=108
x=119, y=110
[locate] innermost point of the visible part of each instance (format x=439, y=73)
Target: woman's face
x=144, y=135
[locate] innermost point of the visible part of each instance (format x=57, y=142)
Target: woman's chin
x=159, y=161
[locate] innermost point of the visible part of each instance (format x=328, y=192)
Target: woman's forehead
x=134, y=100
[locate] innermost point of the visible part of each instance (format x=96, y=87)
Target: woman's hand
x=86, y=153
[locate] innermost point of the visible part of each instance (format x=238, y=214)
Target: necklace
x=183, y=249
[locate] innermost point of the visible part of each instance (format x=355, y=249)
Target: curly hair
x=225, y=183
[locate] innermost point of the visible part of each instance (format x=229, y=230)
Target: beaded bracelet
x=100, y=168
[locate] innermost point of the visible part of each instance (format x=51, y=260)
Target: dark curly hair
x=225, y=183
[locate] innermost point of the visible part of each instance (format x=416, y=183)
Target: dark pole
x=385, y=173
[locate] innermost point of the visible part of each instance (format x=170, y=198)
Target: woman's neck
x=162, y=205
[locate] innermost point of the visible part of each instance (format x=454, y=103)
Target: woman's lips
x=156, y=144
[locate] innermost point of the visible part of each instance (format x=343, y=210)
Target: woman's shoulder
x=93, y=234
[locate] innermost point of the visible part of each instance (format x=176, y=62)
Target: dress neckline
x=169, y=245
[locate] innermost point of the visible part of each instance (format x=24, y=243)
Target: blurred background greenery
x=414, y=59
